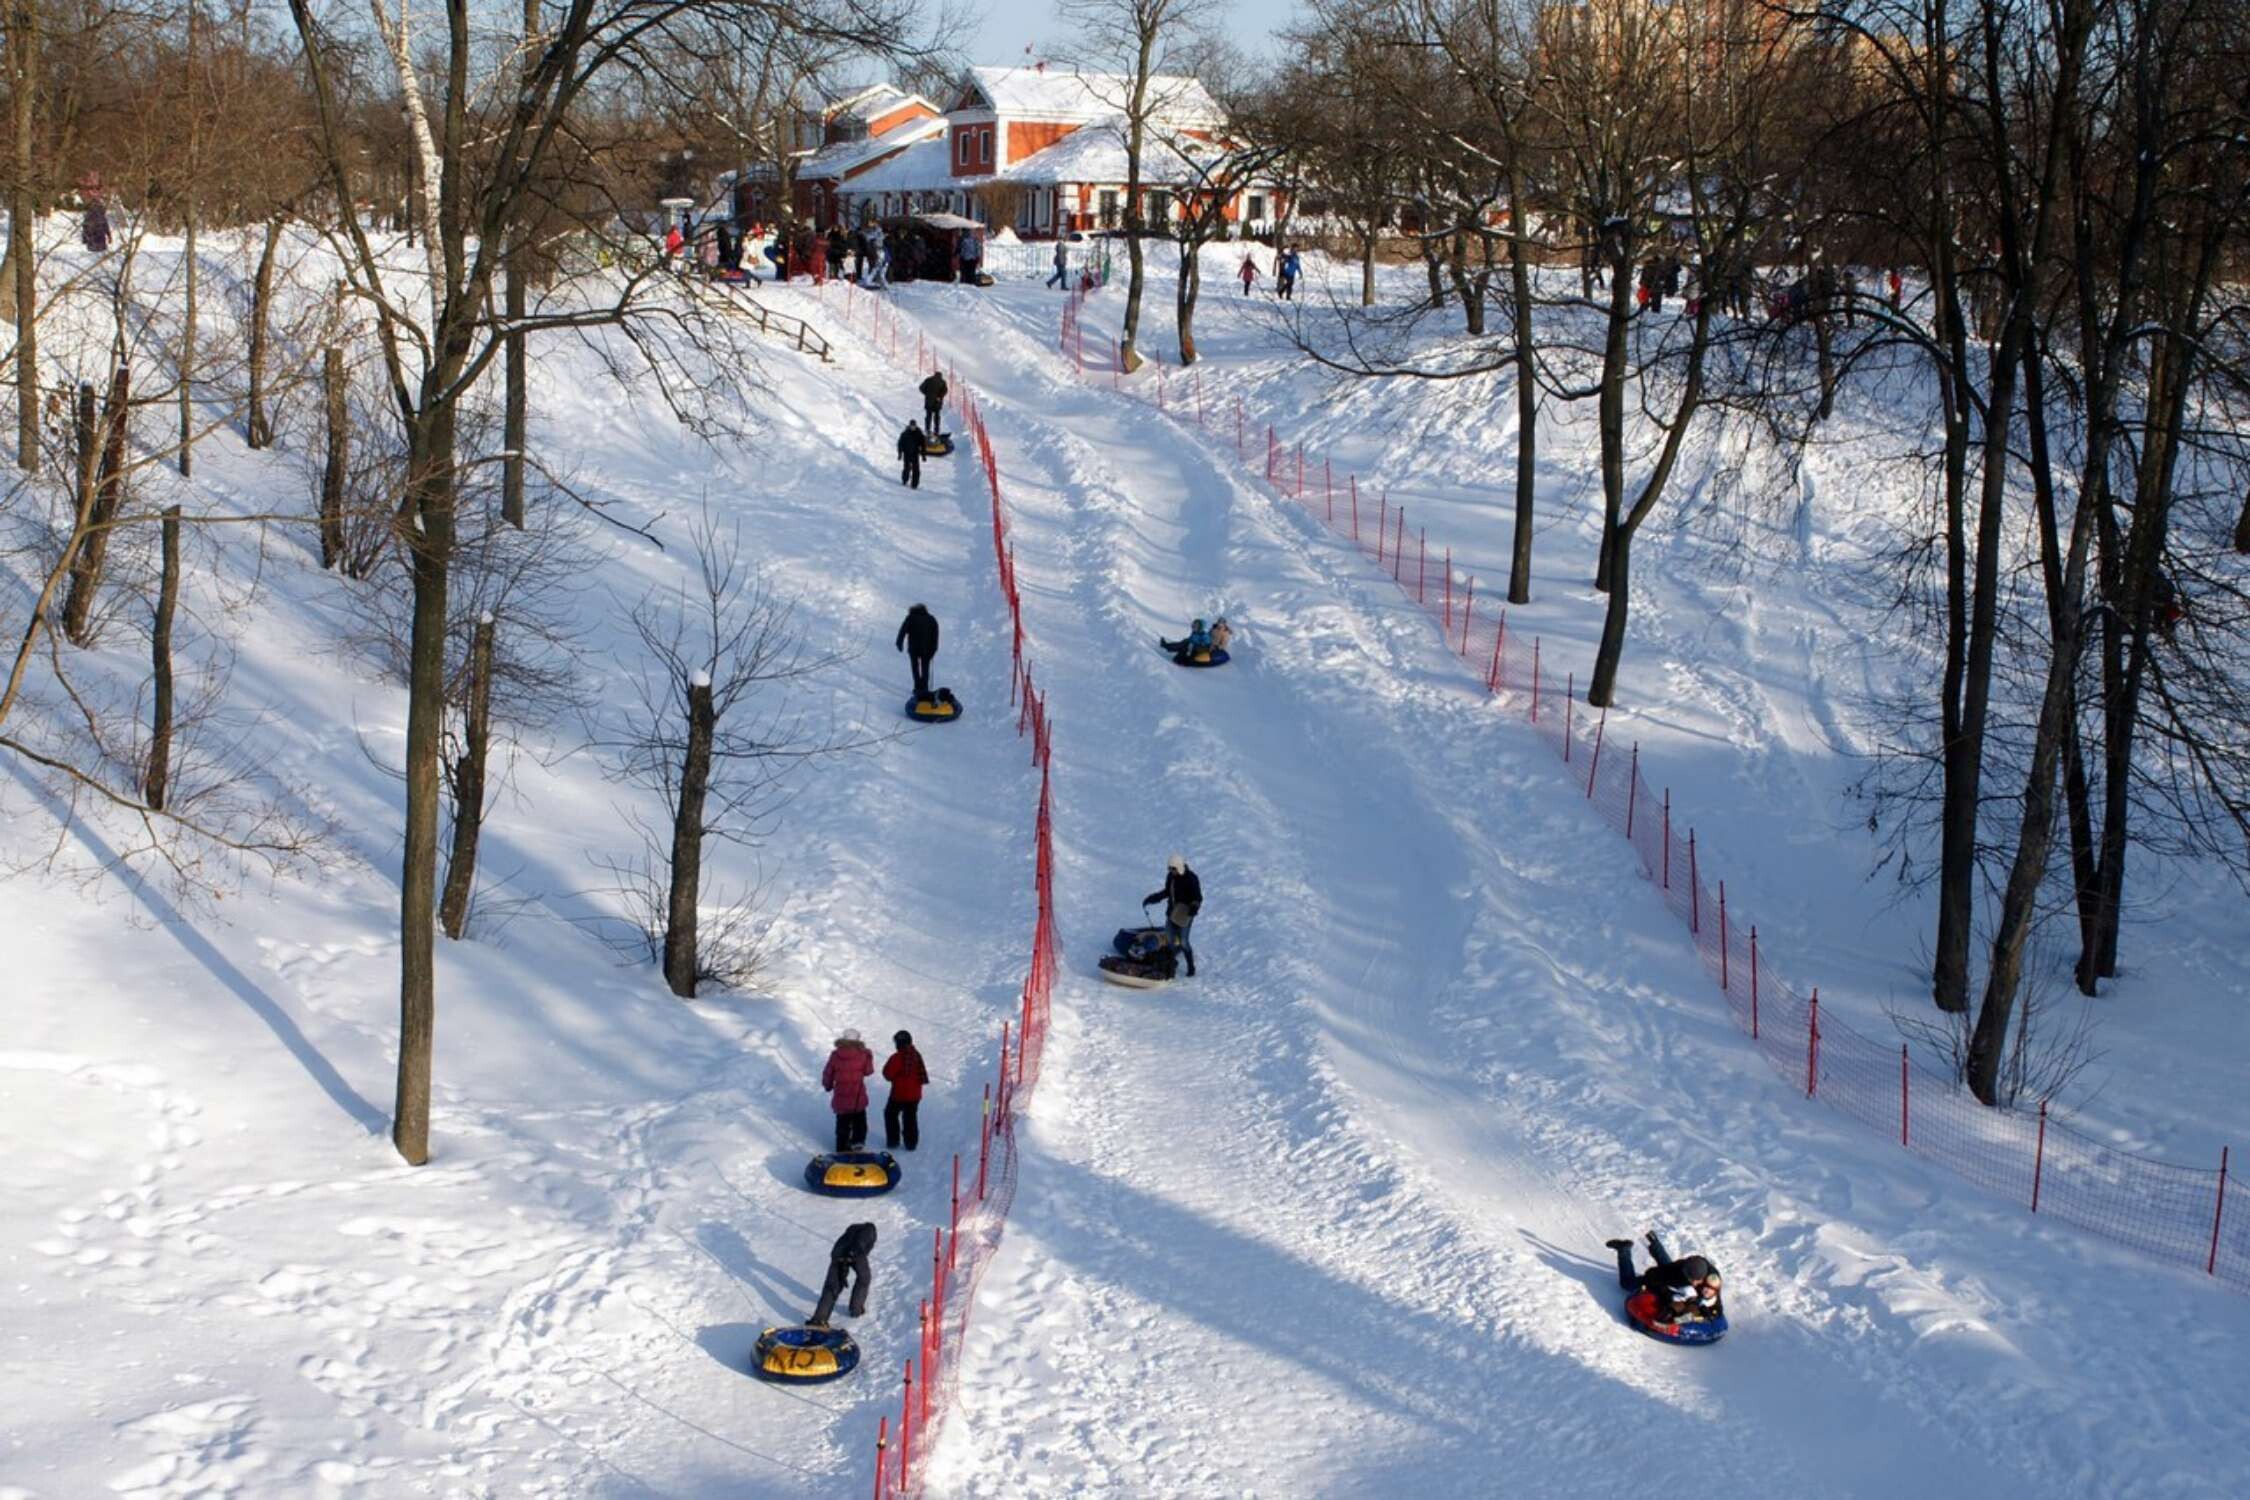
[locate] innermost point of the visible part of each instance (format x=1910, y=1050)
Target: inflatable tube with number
x=852, y=1174
x=939, y=710
x=804, y=1356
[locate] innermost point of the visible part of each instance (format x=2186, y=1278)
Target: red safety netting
x=2175, y=1213
x=962, y=1250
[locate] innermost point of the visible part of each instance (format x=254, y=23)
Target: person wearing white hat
x=1183, y=898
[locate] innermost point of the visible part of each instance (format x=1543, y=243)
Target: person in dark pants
x=847, y=1258
x=933, y=392
x=1183, y=898
x=845, y=1078
x=911, y=447
x=1061, y=277
x=1687, y=1287
x=906, y=1073
x=918, y=638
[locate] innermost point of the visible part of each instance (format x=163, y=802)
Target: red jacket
x=845, y=1077
x=906, y=1074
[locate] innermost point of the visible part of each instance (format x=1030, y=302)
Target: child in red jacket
x=906, y=1074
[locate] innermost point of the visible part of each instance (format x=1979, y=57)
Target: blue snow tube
x=941, y=709
x=852, y=1174
x=1141, y=943
x=804, y=1356
x=1640, y=1311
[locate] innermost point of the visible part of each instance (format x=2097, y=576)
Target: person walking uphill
x=1183, y=898
x=918, y=638
x=910, y=450
x=845, y=1078
x=847, y=1258
x=934, y=391
x=907, y=1075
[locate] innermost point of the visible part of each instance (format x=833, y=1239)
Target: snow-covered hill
x=1325, y=1220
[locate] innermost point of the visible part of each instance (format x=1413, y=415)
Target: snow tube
x=1133, y=974
x=1640, y=1311
x=1215, y=657
x=804, y=1356
x=852, y=1174
x=1140, y=943
x=943, y=709
x=937, y=445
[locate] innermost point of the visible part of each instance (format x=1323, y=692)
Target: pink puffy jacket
x=845, y=1077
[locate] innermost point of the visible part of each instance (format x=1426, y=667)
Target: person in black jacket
x=910, y=449
x=933, y=400
x=1183, y=898
x=1683, y=1288
x=918, y=638
x=848, y=1257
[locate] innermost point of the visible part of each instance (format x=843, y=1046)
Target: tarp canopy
x=948, y=221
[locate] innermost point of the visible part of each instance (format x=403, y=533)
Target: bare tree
x=716, y=732
x=1143, y=36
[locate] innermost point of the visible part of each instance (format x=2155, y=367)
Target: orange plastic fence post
x=1601, y=727
x=1723, y=984
x=1569, y=701
x=1468, y=609
x=2039, y=1160
x=1753, y=981
x=1812, y=1048
x=1902, y=1097
x=1694, y=888
x=1382, y=525
x=1633, y=791
x=882, y=1457
x=1536, y=675
x=2218, y=1213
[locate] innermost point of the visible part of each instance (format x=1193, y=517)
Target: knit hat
x=849, y=1035
x=1177, y=864
x=903, y=1039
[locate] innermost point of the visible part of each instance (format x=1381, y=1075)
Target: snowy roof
x=843, y=156
x=922, y=167
x=1040, y=93
x=1096, y=153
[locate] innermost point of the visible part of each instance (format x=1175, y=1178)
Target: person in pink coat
x=845, y=1078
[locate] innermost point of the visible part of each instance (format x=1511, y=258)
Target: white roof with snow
x=1067, y=94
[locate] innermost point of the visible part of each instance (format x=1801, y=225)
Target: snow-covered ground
x=1326, y=1220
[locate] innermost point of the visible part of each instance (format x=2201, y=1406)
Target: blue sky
x=1009, y=25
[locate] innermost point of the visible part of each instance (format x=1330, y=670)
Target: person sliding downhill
x=1198, y=643
x=1677, y=1289
x=1183, y=898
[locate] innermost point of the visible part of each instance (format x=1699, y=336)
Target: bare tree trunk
x=338, y=463
x=1190, y=289
x=155, y=783
x=515, y=418
x=686, y=872
x=468, y=786
x=23, y=87
x=1367, y=271
x=428, y=524
x=109, y=495
x=1527, y=391
x=1436, y=274
x=193, y=277
x=258, y=430
x=1609, y=416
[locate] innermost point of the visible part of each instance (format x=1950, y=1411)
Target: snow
x=1038, y=93
x=1327, y=1219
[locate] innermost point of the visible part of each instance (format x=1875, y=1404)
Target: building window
x=985, y=138
x=1256, y=212
x=963, y=138
x=1109, y=208
x=1159, y=207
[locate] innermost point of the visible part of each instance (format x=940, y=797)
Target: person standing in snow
x=837, y=248
x=1687, y=1287
x=1183, y=898
x=1249, y=271
x=918, y=638
x=847, y=1258
x=1061, y=277
x=845, y=1078
x=970, y=255
x=911, y=447
x=907, y=1075
x=1285, y=275
x=933, y=391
